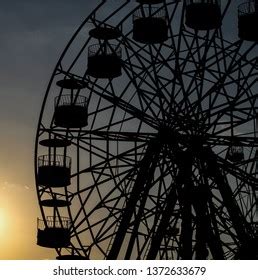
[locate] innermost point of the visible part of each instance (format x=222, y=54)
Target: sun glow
x=18, y=228
x=3, y=223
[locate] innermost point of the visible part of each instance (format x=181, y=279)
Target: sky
x=33, y=35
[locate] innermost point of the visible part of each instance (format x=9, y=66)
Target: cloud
x=12, y=186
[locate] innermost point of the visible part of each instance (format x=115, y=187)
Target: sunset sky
x=33, y=35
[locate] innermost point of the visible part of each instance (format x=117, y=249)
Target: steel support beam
x=142, y=185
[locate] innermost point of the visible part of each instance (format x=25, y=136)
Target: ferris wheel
x=146, y=146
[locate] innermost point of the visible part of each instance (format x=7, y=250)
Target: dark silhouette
x=248, y=21
x=151, y=150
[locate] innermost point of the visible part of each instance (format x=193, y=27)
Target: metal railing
x=236, y=150
x=248, y=8
x=54, y=222
x=54, y=160
x=149, y=12
x=188, y=2
x=104, y=49
x=68, y=99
